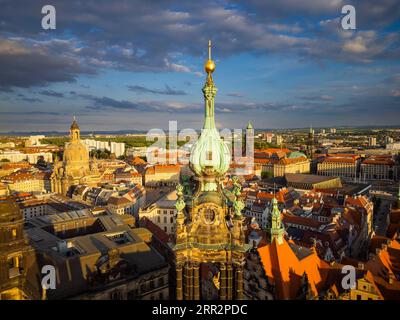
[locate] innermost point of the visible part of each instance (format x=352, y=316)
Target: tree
x=266, y=175
x=4, y=160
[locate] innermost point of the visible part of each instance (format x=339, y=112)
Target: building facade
x=345, y=166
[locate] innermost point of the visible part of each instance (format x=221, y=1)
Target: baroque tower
x=209, y=233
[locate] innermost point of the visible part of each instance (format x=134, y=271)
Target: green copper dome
x=210, y=156
x=296, y=154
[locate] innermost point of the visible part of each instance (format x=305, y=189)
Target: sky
x=135, y=65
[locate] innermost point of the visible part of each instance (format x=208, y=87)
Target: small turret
x=277, y=229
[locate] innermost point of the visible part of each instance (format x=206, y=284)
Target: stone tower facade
x=14, y=250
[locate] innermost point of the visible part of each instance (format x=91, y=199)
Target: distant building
x=30, y=156
x=117, y=148
x=311, y=181
x=34, y=140
x=372, y=141
x=388, y=140
x=129, y=203
x=379, y=168
x=162, y=213
x=340, y=165
x=333, y=130
x=162, y=174
x=278, y=140
x=280, y=162
x=389, y=146
x=267, y=136
x=25, y=181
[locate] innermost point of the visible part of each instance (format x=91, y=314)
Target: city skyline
x=131, y=66
x=208, y=215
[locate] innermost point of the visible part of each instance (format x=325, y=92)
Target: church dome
x=76, y=155
x=76, y=152
x=296, y=154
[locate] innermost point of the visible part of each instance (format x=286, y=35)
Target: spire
x=249, y=126
x=277, y=229
x=209, y=91
x=74, y=124
x=210, y=156
x=209, y=66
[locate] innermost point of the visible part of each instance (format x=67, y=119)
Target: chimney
x=62, y=246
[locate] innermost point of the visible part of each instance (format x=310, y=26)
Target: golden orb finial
x=209, y=66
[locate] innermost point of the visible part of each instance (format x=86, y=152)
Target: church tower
x=250, y=146
x=310, y=143
x=210, y=242
x=277, y=230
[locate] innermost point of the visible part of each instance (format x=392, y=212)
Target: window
x=165, y=219
x=209, y=155
x=116, y=295
x=171, y=220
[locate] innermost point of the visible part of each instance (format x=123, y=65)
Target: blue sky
x=126, y=65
